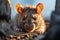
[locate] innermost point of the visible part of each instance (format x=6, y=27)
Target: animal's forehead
x=29, y=10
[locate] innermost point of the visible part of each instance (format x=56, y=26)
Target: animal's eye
x=34, y=18
x=24, y=18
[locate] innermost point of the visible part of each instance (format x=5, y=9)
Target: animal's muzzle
x=29, y=28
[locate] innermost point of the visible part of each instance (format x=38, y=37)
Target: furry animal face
x=30, y=18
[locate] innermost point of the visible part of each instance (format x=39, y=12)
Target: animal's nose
x=29, y=27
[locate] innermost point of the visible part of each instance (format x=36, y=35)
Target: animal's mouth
x=29, y=29
x=25, y=29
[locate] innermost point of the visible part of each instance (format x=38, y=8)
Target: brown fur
x=30, y=19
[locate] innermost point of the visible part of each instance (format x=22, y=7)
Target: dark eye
x=24, y=18
x=34, y=18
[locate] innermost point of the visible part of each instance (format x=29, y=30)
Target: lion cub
x=29, y=19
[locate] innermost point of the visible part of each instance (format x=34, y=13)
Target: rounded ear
x=18, y=8
x=39, y=8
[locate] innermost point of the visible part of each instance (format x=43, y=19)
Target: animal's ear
x=39, y=8
x=18, y=8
